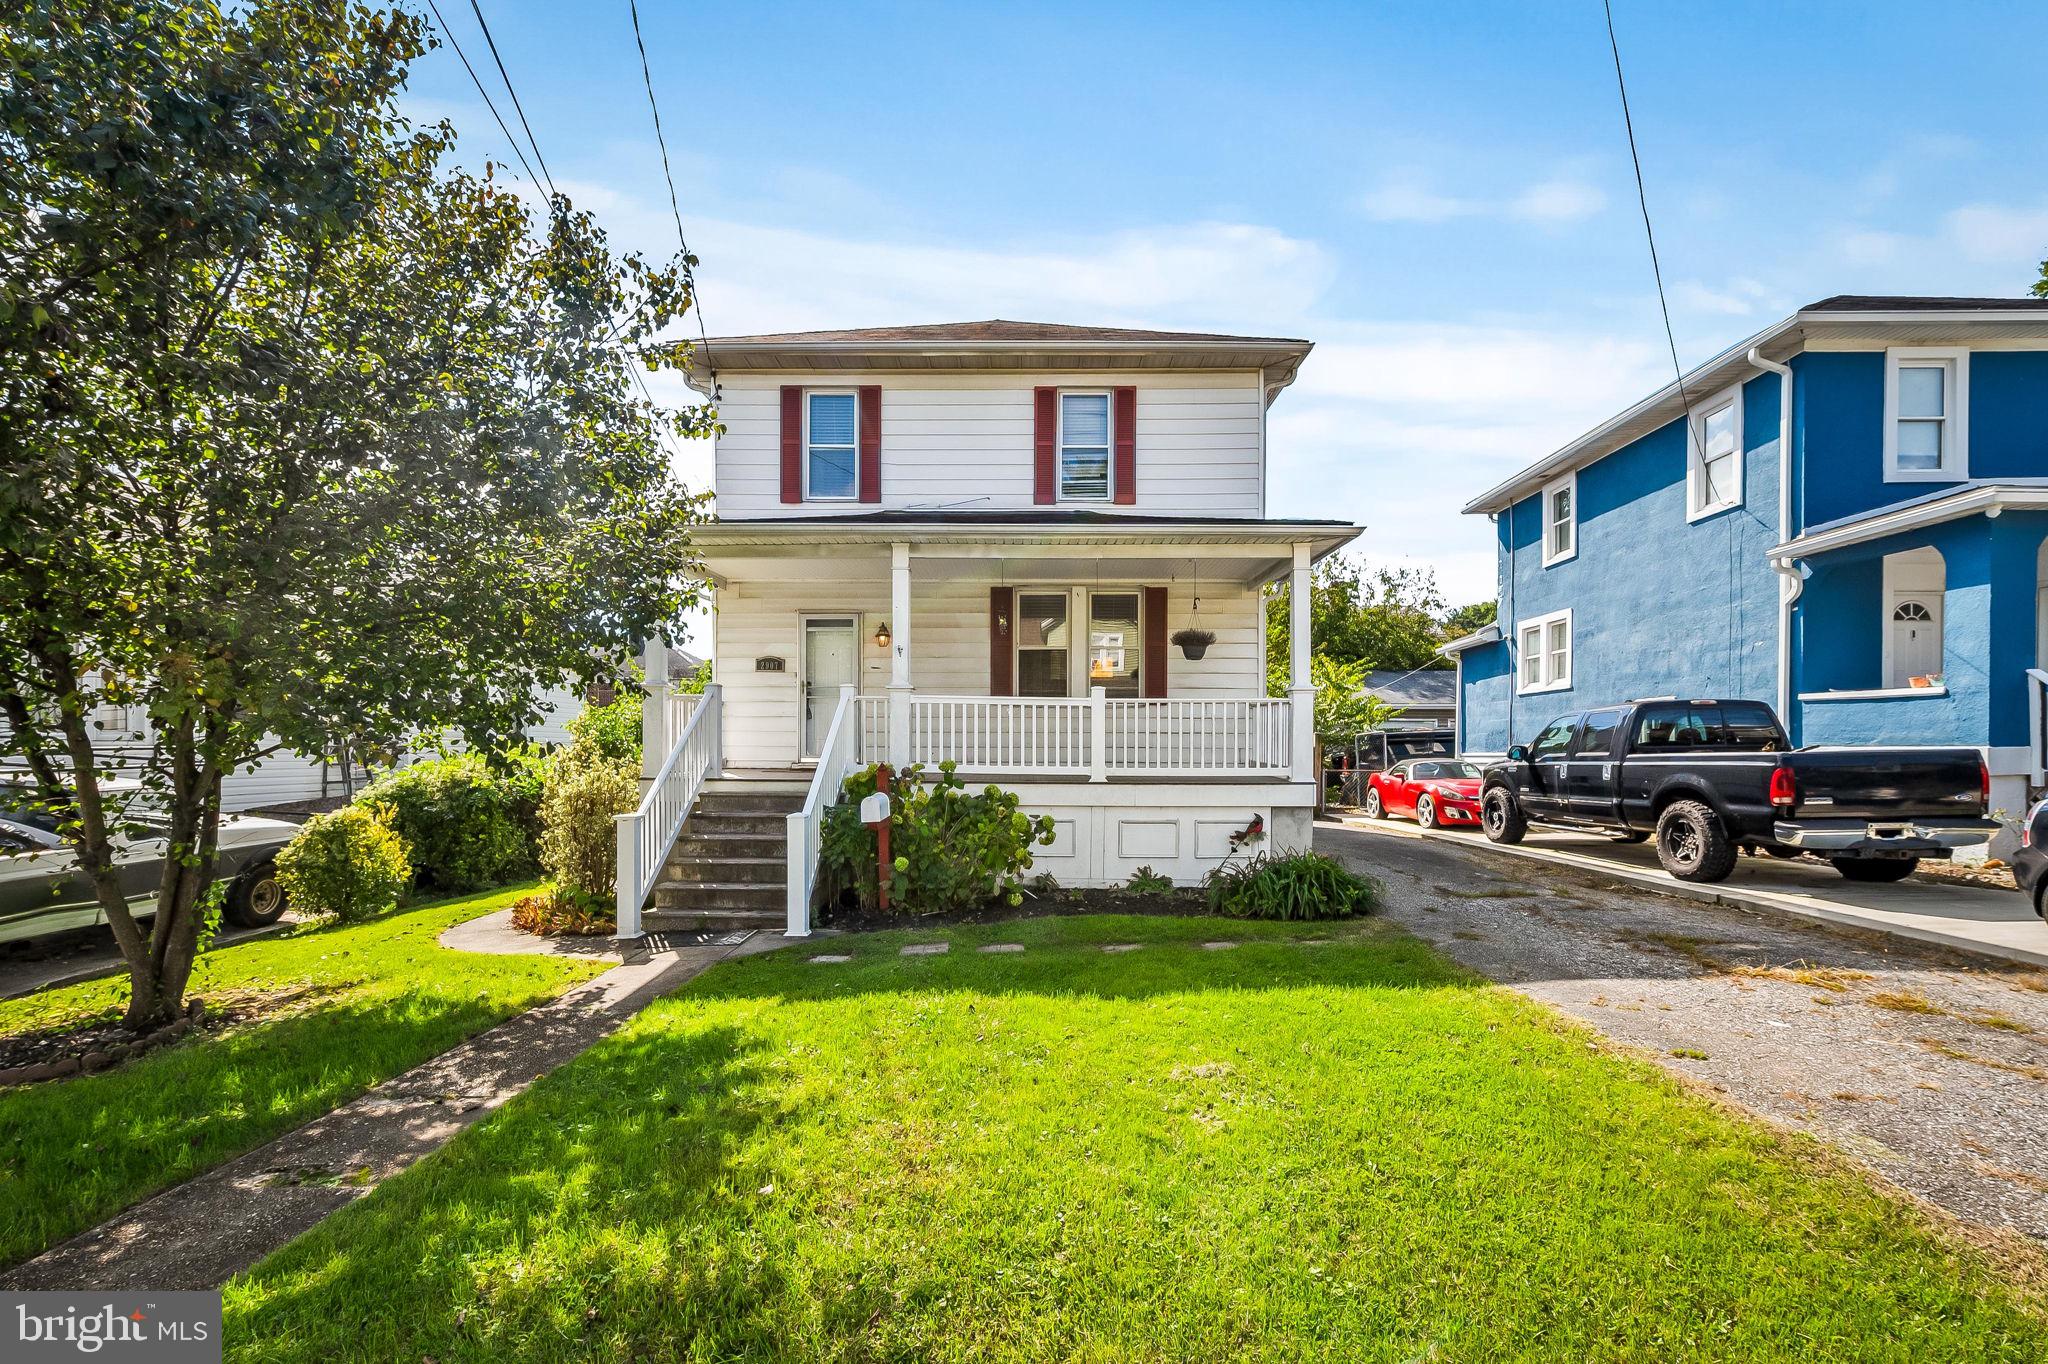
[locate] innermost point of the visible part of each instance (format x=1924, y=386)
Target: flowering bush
x=548, y=912
x=951, y=849
x=579, y=840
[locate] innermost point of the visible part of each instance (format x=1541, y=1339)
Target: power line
x=509, y=88
x=489, y=103
x=689, y=271
x=1643, y=199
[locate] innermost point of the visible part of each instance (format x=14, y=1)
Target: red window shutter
x=792, y=443
x=1001, y=672
x=1125, y=479
x=1045, y=424
x=1155, y=639
x=871, y=443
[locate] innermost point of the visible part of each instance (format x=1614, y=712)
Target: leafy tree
x=1466, y=619
x=306, y=435
x=2041, y=284
x=1343, y=710
x=1380, y=617
x=697, y=681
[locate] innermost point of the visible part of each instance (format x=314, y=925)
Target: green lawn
x=1347, y=1151
x=379, y=998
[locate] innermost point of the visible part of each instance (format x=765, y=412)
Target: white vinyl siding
x=1713, y=474
x=964, y=441
x=1561, y=520
x=1543, y=653
x=1926, y=414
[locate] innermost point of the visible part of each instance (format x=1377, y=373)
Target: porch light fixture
x=882, y=635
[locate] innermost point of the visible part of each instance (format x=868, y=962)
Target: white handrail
x=646, y=834
x=839, y=755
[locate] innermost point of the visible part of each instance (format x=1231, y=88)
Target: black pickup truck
x=1709, y=778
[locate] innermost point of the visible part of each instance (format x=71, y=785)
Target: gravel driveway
x=1929, y=1067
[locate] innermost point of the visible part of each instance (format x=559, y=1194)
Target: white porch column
x=1300, y=691
x=899, y=655
x=654, y=709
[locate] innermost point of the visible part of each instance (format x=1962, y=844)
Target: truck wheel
x=1502, y=818
x=1876, y=868
x=1375, y=808
x=255, y=900
x=1425, y=813
x=1691, y=843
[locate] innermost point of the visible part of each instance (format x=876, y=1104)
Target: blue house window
x=1561, y=520
x=1713, y=474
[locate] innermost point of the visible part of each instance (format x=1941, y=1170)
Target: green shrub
x=579, y=841
x=460, y=821
x=525, y=773
x=952, y=850
x=1145, y=881
x=614, y=729
x=350, y=864
x=1301, y=885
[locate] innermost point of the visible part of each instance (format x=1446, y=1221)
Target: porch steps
x=729, y=870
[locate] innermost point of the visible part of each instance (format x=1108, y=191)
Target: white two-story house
x=977, y=543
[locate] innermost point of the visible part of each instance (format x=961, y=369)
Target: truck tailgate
x=1888, y=783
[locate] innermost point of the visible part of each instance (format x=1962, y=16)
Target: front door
x=1916, y=638
x=831, y=661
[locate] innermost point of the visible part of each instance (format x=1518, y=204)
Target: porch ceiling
x=1246, y=553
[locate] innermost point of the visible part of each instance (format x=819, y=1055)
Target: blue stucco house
x=1880, y=577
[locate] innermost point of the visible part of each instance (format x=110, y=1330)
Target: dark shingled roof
x=1430, y=689
x=1913, y=303
x=995, y=329
x=910, y=517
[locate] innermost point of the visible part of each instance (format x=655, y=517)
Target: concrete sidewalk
x=201, y=1233
x=1991, y=923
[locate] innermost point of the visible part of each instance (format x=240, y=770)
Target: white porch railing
x=647, y=833
x=2037, y=724
x=839, y=755
x=1092, y=737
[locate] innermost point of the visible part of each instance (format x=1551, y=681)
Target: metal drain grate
x=670, y=942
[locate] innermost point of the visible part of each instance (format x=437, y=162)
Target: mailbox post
x=874, y=812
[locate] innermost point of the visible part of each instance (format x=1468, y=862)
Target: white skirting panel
x=1104, y=833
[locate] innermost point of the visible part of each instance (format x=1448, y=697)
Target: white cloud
x=1995, y=233
x=1737, y=298
x=1560, y=199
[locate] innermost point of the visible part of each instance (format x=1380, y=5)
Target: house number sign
x=768, y=665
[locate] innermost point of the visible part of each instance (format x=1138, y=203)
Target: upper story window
x=1926, y=411
x=1713, y=473
x=831, y=444
x=1561, y=520
x=1084, y=443
x=1543, y=647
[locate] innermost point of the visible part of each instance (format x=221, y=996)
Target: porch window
x=1713, y=480
x=1115, y=649
x=1544, y=653
x=1084, y=446
x=1561, y=520
x=1042, y=637
x=1926, y=395
x=831, y=445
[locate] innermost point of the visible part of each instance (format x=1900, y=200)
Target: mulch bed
x=1185, y=902
x=104, y=1042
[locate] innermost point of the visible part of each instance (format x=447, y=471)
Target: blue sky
x=1438, y=195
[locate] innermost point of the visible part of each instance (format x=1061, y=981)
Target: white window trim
x=1956, y=403
x=854, y=394
x=1570, y=483
x=1542, y=624
x=1696, y=508
x=1059, y=445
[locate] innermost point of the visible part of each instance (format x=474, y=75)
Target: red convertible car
x=1437, y=791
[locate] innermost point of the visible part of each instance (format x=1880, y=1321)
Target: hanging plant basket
x=1193, y=643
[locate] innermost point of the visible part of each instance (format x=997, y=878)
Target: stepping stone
x=1000, y=947
x=1122, y=946
x=830, y=959
x=1217, y=946
x=926, y=949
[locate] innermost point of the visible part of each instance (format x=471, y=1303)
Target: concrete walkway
x=203, y=1232
x=1992, y=923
